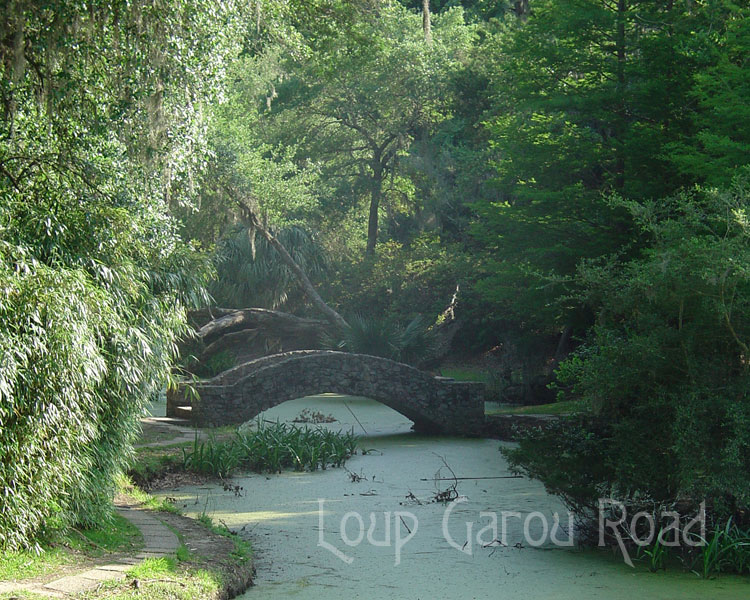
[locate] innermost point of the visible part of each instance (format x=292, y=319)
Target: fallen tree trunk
x=249, y=333
x=278, y=324
x=199, y=317
x=444, y=330
x=231, y=341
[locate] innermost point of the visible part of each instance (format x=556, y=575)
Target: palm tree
x=250, y=272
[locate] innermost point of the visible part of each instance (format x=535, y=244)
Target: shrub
x=412, y=344
x=217, y=363
x=80, y=358
x=665, y=370
x=249, y=271
x=95, y=144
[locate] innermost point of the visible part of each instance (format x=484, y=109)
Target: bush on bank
x=665, y=370
x=100, y=131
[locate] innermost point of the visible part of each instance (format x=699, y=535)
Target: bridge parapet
x=240, y=394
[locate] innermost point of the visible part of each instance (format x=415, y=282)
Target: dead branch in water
x=451, y=493
x=464, y=478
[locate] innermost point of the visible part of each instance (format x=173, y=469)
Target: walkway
x=168, y=431
x=159, y=541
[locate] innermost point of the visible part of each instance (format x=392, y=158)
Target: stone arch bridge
x=434, y=404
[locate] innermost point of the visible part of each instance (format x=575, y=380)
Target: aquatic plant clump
x=271, y=447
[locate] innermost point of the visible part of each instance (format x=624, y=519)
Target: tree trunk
x=521, y=8
x=250, y=320
x=331, y=315
x=562, y=345
x=426, y=25
x=199, y=317
x=375, y=197
x=249, y=333
x=238, y=341
x=622, y=8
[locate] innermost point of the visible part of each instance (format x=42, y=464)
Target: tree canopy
x=102, y=131
x=563, y=180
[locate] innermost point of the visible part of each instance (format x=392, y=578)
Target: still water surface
x=301, y=551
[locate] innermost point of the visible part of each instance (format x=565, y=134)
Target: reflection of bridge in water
x=434, y=404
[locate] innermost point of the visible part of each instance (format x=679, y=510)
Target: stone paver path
x=158, y=540
x=176, y=431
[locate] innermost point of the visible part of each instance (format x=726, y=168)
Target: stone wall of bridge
x=434, y=404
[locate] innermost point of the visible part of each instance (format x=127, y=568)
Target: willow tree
x=101, y=130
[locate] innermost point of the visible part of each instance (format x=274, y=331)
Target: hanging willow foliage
x=101, y=128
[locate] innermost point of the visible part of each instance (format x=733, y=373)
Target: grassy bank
x=80, y=547
x=210, y=561
x=554, y=408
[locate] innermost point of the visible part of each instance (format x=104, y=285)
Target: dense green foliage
x=594, y=98
x=633, y=103
x=586, y=99
x=95, y=141
x=572, y=172
x=664, y=370
x=347, y=109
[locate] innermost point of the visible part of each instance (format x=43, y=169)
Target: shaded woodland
x=553, y=191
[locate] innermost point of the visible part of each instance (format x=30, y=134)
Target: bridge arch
x=240, y=394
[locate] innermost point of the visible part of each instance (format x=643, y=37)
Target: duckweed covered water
x=300, y=551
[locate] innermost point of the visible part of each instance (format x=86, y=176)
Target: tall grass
x=210, y=457
x=727, y=550
x=271, y=447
